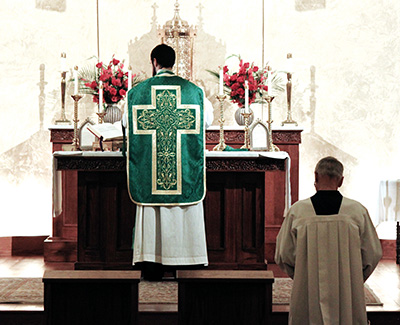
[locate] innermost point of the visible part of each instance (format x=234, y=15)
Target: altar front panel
x=235, y=220
x=234, y=211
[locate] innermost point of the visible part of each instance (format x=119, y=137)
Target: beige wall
x=353, y=46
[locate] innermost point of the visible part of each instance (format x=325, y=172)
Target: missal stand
x=224, y=297
x=91, y=297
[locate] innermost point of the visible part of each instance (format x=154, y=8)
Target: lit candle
x=100, y=95
x=63, y=62
x=221, y=82
x=246, y=96
x=76, y=80
x=129, y=78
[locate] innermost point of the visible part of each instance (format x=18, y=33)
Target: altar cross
x=166, y=119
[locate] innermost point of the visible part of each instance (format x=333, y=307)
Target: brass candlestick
x=246, y=131
x=101, y=117
x=271, y=146
x=75, y=142
x=63, y=119
x=221, y=145
x=289, y=119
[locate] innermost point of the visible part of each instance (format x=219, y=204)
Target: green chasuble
x=166, y=152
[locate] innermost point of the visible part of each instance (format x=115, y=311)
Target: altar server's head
x=328, y=174
x=162, y=57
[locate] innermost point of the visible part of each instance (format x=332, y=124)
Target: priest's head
x=328, y=174
x=162, y=57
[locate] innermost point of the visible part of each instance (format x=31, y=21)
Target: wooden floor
x=385, y=282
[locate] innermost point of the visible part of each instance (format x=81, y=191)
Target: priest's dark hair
x=164, y=54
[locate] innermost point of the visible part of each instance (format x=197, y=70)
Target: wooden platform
x=385, y=282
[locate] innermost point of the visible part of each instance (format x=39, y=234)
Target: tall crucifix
x=166, y=119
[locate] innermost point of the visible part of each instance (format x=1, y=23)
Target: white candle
x=63, y=62
x=289, y=63
x=221, y=82
x=129, y=78
x=269, y=83
x=246, y=97
x=100, y=95
x=76, y=80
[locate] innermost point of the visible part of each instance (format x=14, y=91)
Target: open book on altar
x=107, y=131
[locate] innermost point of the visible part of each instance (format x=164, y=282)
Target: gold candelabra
x=221, y=145
x=246, y=131
x=289, y=119
x=75, y=142
x=271, y=146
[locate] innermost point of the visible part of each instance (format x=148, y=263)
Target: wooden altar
x=243, y=206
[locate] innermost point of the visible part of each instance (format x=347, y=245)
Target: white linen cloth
x=329, y=258
x=170, y=235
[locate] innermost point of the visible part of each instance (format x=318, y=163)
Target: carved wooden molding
x=247, y=165
x=237, y=136
x=212, y=136
x=286, y=137
x=62, y=135
x=93, y=164
x=119, y=164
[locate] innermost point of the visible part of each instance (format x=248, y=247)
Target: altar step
x=60, y=250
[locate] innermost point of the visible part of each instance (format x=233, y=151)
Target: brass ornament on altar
x=180, y=36
x=246, y=117
x=75, y=143
x=289, y=119
x=63, y=119
x=221, y=145
x=271, y=146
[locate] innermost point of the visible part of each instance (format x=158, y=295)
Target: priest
x=329, y=246
x=166, y=168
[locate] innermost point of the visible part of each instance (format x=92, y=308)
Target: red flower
x=113, y=91
x=116, y=82
x=103, y=77
x=236, y=82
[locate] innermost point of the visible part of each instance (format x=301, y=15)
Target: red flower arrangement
x=236, y=82
x=115, y=82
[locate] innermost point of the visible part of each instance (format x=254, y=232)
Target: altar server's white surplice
x=329, y=258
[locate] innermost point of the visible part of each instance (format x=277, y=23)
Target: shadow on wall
x=305, y=5
x=52, y=5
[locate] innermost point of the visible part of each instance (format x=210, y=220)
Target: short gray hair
x=329, y=166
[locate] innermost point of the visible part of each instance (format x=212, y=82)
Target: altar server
x=329, y=246
x=166, y=168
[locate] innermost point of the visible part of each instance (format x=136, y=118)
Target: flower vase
x=239, y=118
x=113, y=113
